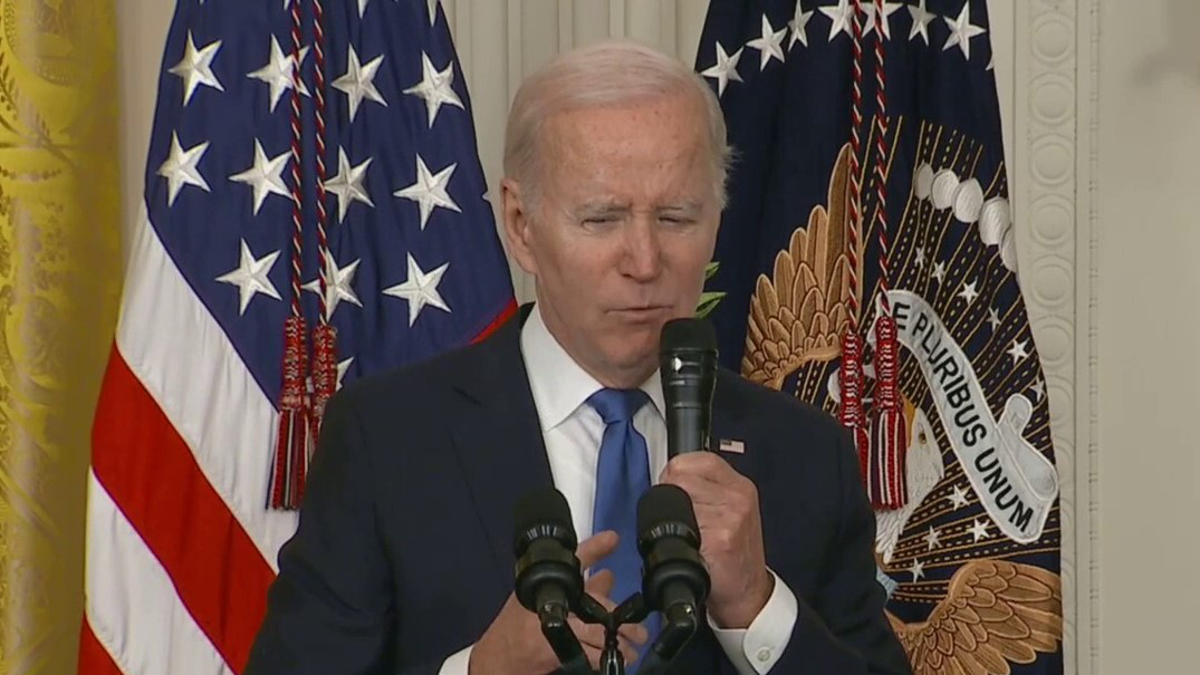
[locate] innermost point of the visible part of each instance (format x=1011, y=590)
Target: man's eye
x=677, y=220
x=599, y=220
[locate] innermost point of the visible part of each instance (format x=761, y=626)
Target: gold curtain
x=60, y=264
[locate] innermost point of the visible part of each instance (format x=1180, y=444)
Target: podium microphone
x=687, y=355
x=675, y=581
x=549, y=581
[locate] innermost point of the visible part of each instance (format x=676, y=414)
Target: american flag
x=181, y=543
x=962, y=477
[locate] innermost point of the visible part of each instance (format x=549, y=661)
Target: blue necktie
x=622, y=476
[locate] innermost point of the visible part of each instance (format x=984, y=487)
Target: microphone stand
x=562, y=640
x=680, y=623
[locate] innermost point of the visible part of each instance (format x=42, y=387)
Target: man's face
x=622, y=228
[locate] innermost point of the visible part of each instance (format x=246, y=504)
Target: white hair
x=608, y=73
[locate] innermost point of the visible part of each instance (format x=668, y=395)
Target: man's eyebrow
x=602, y=206
x=687, y=206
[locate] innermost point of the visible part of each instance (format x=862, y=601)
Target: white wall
x=142, y=26
x=1101, y=107
x=1149, y=334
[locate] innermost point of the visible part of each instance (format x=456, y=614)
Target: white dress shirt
x=572, y=431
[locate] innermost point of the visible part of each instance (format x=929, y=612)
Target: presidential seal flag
x=314, y=212
x=869, y=267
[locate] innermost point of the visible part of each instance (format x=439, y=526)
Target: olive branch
x=37, y=132
x=709, y=299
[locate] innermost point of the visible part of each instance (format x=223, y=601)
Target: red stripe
x=153, y=477
x=505, y=314
x=93, y=657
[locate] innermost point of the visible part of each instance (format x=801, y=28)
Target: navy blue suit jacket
x=403, y=555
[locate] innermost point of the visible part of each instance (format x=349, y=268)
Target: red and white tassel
x=850, y=382
x=887, y=486
x=886, y=475
x=324, y=370
x=850, y=376
x=294, y=442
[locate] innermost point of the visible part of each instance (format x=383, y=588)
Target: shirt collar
x=558, y=383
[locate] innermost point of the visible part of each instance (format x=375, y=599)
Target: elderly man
x=615, y=160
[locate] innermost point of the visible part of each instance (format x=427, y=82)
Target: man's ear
x=517, y=223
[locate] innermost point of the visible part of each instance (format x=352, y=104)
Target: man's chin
x=640, y=357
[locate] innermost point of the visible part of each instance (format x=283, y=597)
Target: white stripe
x=187, y=363
x=881, y=463
x=132, y=606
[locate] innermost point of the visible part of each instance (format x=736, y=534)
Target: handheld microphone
x=687, y=355
x=675, y=581
x=549, y=581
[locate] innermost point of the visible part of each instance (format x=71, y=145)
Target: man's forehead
x=577, y=123
x=666, y=203
x=591, y=144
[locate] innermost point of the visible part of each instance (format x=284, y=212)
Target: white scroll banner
x=1016, y=484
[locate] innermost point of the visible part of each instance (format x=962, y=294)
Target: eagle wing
x=798, y=316
x=994, y=613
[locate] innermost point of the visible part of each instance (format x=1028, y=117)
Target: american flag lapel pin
x=732, y=445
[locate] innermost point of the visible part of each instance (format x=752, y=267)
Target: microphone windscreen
x=546, y=511
x=663, y=504
x=688, y=334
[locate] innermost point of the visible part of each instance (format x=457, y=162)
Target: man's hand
x=726, y=504
x=514, y=644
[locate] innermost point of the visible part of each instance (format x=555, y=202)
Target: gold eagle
x=798, y=318
x=995, y=612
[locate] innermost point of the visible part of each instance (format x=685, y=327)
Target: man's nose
x=643, y=250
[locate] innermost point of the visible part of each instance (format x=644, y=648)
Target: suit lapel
x=498, y=438
x=703, y=654
x=728, y=423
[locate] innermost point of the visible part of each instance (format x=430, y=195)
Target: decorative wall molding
x=1055, y=156
x=1054, y=149
x=1087, y=476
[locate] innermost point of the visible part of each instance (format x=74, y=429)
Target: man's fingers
x=588, y=634
x=596, y=548
x=634, y=632
x=700, y=489
x=599, y=585
x=628, y=651
x=705, y=464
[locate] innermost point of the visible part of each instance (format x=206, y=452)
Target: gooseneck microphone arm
x=562, y=640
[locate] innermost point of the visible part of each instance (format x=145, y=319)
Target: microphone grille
x=688, y=334
x=543, y=512
x=669, y=507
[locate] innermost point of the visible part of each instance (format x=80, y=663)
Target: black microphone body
x=688, y=365
x=546, y=582
x=675, y=580
x=544, y=542
x=548, y=579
